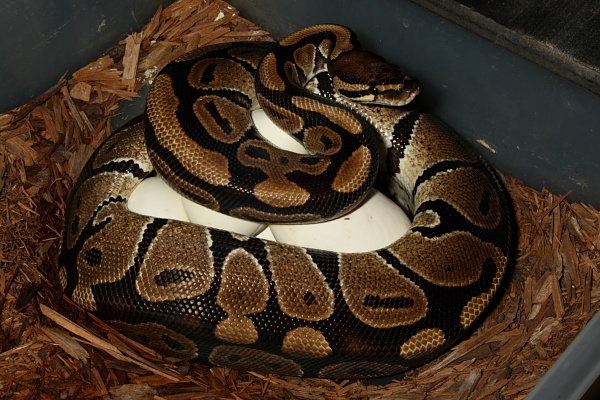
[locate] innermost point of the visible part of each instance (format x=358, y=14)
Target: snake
x=212, y=296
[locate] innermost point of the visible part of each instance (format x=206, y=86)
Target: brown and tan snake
x=212, y=296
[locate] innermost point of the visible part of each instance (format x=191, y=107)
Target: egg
x=153, y=197
x=374, y=224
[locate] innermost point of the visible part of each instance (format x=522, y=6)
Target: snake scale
x=212, y=296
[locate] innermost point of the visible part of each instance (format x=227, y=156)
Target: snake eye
x=373, y=90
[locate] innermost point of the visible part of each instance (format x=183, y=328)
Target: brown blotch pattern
x=452, y=260
x=305, y=342
x=325, y=47
x=342, y=34
x=253, y=360
x=305, y=58
x=169, y=275
x=423, y=342
x=114, y=247
x=84, y=205
x=208, y=165
x=466, y=189
x=341, y=84
x=237, y=329
x=428, y=219
x=343, y=118
x=127, y=143
x=277, y=190
x=474, y=307
x=244, y=290
x=267, y=73
x=237, y=119
x=285, y=119
x=377, y=294
x=291, y=73
x=431, y=143
x=160, y=338
x=182, y=186
x=354, y=172
x=322, y=140
x=302, y=290
x=227, y=74
x=251, y=57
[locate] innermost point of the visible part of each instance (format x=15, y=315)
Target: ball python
x=211, y=296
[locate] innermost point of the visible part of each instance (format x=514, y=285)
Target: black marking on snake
x=324, y=85
x=172, y=343
x=309, y=298
x=391, y=302
x=327, y=143
x=450, y=219
x=123, y=166
x=173, y=276
x=68, y=257
x=111, y=147
x=258, y=152
x=219, y=119
x=208, y=75
x=274, y=113
x=437, y=296
x=309, y=160
x=74, y=225
x=194, y=197
x=93, y=257
x=148, y=236
x=401, y=138
x=485, y=202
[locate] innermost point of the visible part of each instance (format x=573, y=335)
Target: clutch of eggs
x=374, y=224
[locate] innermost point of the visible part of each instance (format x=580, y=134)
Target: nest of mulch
x=51, y=349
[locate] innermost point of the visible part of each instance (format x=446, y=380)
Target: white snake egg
x=153, y=197
x=374, y=224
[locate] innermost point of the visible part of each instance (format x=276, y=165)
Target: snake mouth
x=397, y=94
x=388, y=94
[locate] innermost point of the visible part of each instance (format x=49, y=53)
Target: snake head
x=365, y=77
